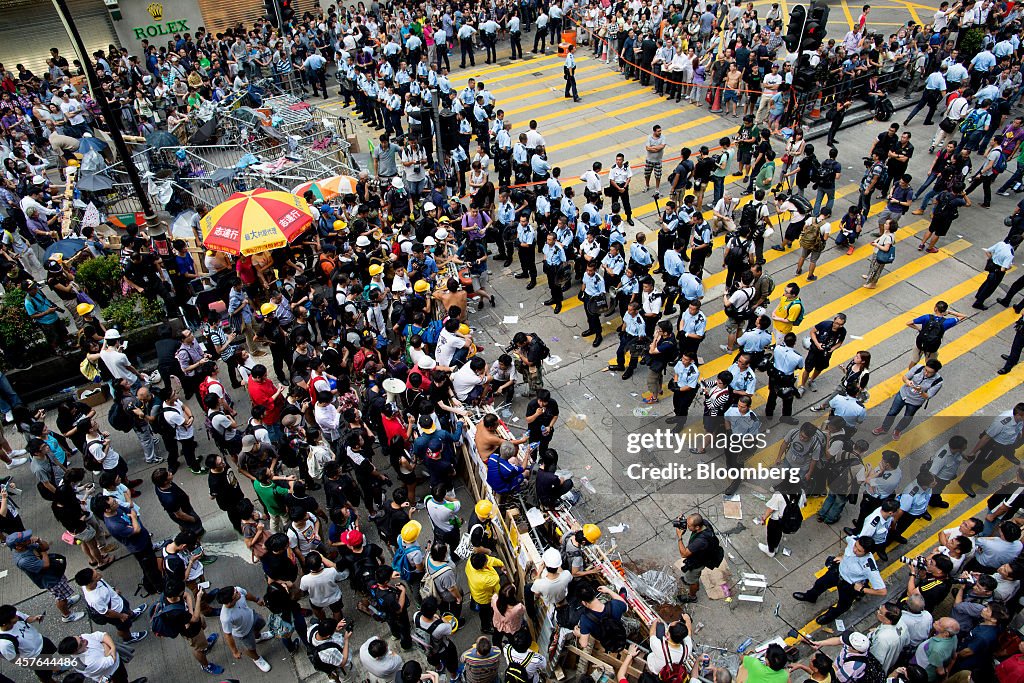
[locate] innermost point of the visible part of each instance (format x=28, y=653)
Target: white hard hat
x=362, y=241
x=111, y=334
x=429, y=241
x=429, y=206
x=552, y=558
x=441, y=234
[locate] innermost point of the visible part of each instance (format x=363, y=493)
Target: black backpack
x=930, y=336
x=802, y=204
x=542, y=350
x=610, y=632
x=516, y=671
x=791, y=518
x=748, y=216
x=738, y=249
x=313, y=652
x=119, y=418
x=715, y=554
x=883, y=112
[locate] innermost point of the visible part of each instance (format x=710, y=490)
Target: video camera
x=679, y=523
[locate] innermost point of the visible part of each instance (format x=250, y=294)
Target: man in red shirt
x=264, y=392
x=1012, y=668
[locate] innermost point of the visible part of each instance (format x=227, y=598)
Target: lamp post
x=115, y=132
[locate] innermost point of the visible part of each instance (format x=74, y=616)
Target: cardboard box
x=94, y=399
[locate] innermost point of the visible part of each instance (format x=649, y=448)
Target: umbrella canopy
x=94, y=182
x=91, y=144
x=328, y=188
x=67, y=248
x=255, y=221
x=161, y=138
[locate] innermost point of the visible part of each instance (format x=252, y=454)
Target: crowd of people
x=340, y=316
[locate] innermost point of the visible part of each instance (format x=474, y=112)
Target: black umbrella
x=68, y=248
x=205, y=133
x=162, y=138
x=94, y=182
x=223, y=175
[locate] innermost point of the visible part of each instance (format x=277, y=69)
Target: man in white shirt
x=320, y=583
x=117, y=362
x=107, y=606
x=328, y=416
x=889, y=638
x=95, y=656
x=468, y=380
x=329, y=640
x=378, y=659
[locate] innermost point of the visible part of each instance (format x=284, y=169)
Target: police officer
x=503, y=152
x=640, y=257
x=754, y=342
x=913, y=504
x=539, y=166
x=744, y=381
x=1016, y=346
x=592, y=291
x=877, y=526
x=504, y=227
x=569, y=72
x=629, y=289
x=880, y=483
x=782, y=377
x=554, y=258
x=701, y=244
x=650, y=304
x=526, y=237
x=632, y=329
x=693, y=325
x=1000, y=440
x=521, y=160
x=667, y=232
x=589, y=250
x=541, y=36
x=465, y=35
x=515, y=33
x=673, y=266
x=489, y=36
x=854, y=574
x=684, y=383
x=612, y=266
x=690, y=287
x=849, y=408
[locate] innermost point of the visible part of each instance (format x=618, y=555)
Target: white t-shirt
x=447, y=344
x=108, y=460
x=222, y=423
x=327, y=419
x=464, y=380
x=777, y=503
x=553, y=591
x=117, y=363
x=175, y=416
x=886, y=239
x=92, y=662
x=677, y=653
x=322, y=587
x=73, y=110
x=304, y=536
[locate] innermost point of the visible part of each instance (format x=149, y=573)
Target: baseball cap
x=352, y=537
x=248, y=442
x=18, y=537
x=857, y=640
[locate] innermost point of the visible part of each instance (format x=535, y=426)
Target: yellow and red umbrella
x=255, y=221
x=328, y=188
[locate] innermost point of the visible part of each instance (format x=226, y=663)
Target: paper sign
x=510, y=319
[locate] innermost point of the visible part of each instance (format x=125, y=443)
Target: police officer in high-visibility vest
x=853, y=575
x=913, y=505
x=632, y=329
x=554, y=258
x=593, y=289
x=786, y=360
x=526, y=237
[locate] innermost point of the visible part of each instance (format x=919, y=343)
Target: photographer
x=737, y=302
x=799, y=209
x=972, y=596
x=529, y=353
x=724, y=219
x=662, y=353
x=703, y=549
x=930, y=578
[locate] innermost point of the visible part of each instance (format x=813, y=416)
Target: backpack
x=874, y=673
x=802, y=204
x=1000, y=164
x=204, y=389
x=424, y=636
x=883, y=176
x=365, y=571
x=610, y=632
x=427, y=589
x=673, y=672
x=972, y=121
x=944, y=207
x=748, y=216
x=543, y=350
x=433, y=332
x=516, y=671
x=715, y=554
x=791, y=518
x=13, y=640
x=884, y=110
x=810, y=237
x=215, y=434
x=313, y=652
x=400, y=562
x=161, y=425
x=800, y=316
x=158, y=618
x=738, y=249
x=119, y=418
x=930, y=336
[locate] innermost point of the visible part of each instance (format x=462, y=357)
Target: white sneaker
x=74, y=616
x=155, y=460
x=17, y=462
x=262, y=664
x=764, y=549
x=73, y=600
x=17, y=452
x=9, y=417
x=264, y=636
x=724, y=347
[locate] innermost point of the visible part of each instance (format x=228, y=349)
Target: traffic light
x=814, y=31
x=805, y=76
x=287, y=13
x=796, y=27
x=270, y=10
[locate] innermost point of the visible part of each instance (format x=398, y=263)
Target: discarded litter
x=555, y=339
x=659, y=586
x=588, y=397
x=618, y=405
x=553, y=360
x=515, y=419
x=521, y=305
x=641, y=412
x=618, y=528
x=633, y=394
x=786, y=552
x=510, y=319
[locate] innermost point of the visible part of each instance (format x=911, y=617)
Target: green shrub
x=17, y=329
x=100, y=277
x=133, y=312
x=971, y=40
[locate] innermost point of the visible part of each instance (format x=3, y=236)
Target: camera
x=915, y=563
x=656, y=195
x=679, y=523
x=965, y=580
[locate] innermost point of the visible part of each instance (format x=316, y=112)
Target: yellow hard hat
x=339, y=224
x=463, y=328
x=411, y=531
x=421, y=286
x=84, y=309
x=268, y=308
x=591, y=532
x=483, y=509
x=74, y=162
x=376, y=269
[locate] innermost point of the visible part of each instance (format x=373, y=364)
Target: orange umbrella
x=328, y=188
x=255, y=221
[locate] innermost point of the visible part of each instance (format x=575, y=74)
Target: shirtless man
x=488, y=441
x=453, y=295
